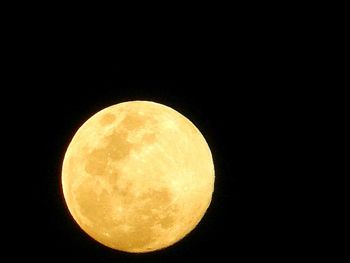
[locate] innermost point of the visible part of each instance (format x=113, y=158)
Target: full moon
x=138, y=176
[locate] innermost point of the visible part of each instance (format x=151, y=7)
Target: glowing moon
x=138, y=176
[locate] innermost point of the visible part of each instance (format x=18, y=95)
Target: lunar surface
x=138, y=176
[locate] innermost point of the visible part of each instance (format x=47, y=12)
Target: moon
x=138, y=176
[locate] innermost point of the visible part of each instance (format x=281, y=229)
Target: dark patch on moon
x=116, y=145
x=96, y=162
x=95, y=207
x=107, y=119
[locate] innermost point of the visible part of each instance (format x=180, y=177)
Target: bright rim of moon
x=138, y=176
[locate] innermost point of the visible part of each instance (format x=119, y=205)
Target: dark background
x=231, y=100
x=247, y=78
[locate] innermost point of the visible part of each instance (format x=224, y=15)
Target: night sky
x=230, y=105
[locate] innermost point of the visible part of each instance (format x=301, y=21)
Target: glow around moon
x=138, y=176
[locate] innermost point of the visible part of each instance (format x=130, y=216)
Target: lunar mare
x=138, y=176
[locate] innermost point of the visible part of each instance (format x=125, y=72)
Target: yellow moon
x=138, y=176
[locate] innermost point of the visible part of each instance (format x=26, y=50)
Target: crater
x=113, y=176
x=72, y=161
x=167, y=222
x=141, y=235
x=133, y=121
x=135, y=238
x=95, y=207
x=96, y=162
x=123, y=192
x=158, y=198
x=117, y=145
x=107, y=119
x=167, y=218
x=155, y=208
x=149, y=138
